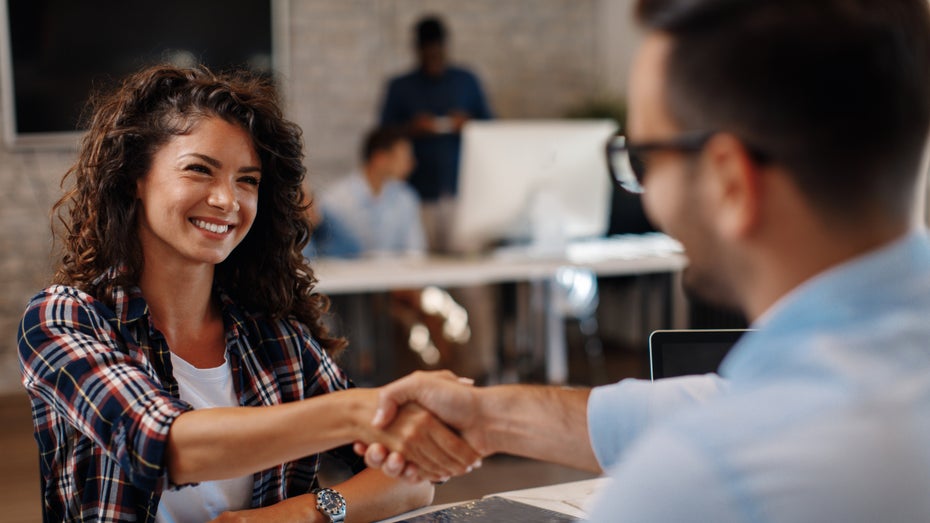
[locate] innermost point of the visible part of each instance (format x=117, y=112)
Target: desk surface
x=572, y=498
x=616, y=256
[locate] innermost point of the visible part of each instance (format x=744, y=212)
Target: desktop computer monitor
x=535, y=182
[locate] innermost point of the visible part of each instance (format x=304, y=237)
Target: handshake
x=435, y=425
x=426, y=427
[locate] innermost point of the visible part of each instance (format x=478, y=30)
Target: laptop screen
x=683, y=352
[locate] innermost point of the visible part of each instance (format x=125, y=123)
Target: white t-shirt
x=204, y=388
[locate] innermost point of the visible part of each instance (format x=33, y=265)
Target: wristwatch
x=331, y=504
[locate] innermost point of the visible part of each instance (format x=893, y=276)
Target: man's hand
x=422, y=124
x=459, y=119
x=449, y=398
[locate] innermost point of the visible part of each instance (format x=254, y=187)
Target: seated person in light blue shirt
x=374, y=206
x=330, y=237
x=781, y=142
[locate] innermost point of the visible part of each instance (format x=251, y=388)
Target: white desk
x=628, y=255
x=618, y=256
x=573, y=498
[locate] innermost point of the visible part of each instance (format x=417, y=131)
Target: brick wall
x=536, y=58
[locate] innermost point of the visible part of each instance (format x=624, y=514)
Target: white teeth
x=212, y=227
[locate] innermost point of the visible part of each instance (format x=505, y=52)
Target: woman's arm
x=369, y=495
x=221, y=443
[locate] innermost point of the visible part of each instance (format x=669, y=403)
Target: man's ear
x=734, y=187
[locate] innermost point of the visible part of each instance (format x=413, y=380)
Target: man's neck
x=784, y=266
x=376, y=181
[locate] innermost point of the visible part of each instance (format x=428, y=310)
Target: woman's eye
x=251, y=180
x=196, y=167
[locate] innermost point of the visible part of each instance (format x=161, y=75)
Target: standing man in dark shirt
x=433, y=102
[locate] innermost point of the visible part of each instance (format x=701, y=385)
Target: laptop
x=690, y=351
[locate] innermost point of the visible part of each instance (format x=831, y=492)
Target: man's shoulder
x=802, y=433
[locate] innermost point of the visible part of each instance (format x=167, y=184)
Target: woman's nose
x=223, y=196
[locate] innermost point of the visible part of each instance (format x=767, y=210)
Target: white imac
x=537, y=183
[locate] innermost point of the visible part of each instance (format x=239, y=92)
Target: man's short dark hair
x=381, y=139
x=430, y=30
x=835, y=91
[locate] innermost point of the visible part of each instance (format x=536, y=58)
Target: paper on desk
x=573, y=498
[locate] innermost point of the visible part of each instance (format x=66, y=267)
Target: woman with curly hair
x=178, y=367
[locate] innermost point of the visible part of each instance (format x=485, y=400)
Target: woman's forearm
x=371, y=496
x=222, y=443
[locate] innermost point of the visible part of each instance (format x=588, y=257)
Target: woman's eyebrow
x=217, y=164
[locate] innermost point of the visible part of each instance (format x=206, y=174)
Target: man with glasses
x=780, y=141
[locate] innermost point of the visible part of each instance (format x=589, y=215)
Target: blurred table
x=627, y=255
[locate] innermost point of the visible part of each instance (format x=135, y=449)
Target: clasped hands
x=429, y=428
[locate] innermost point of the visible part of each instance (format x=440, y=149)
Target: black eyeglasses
x=626, y=162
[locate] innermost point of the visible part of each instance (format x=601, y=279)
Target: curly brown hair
x=266, y=272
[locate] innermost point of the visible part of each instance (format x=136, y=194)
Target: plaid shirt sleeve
x=328, y=377
x=76, y=358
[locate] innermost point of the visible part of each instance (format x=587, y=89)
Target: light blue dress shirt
x=386, y=224
x=823, y=414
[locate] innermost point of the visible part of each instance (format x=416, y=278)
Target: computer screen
x=537, y=182
x=54, y=53
x=686, y=352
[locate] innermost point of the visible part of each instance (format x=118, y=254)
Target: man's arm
x=582, y=428
x=540, y=422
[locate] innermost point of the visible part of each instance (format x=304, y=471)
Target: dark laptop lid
x=693, y=351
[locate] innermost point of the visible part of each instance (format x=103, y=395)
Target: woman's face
x=199, y=198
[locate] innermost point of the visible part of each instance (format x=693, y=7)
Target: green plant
x=613, y=108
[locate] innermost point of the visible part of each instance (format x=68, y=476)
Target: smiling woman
x=180, y=299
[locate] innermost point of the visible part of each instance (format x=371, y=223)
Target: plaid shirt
x=103, y=398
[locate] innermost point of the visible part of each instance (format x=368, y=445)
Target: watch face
x=330, y=502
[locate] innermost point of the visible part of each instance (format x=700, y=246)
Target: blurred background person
x=432, y=103
x=372, y=212
x=373, y=205
x=330, y=236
